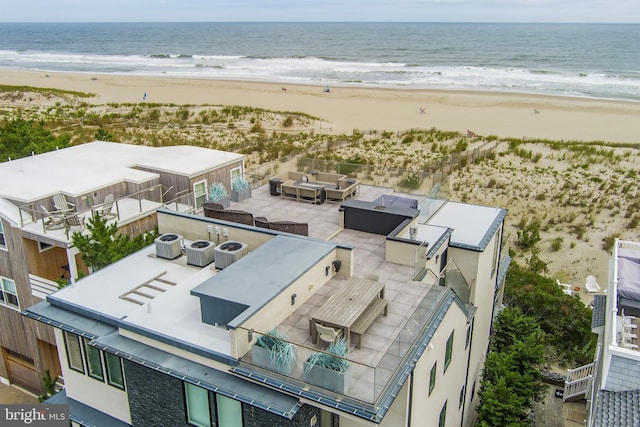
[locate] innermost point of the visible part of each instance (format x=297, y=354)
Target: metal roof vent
x=200, y=253
x=229, y=252
x=169, y=246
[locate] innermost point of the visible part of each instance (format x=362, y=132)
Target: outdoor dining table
x=346, y=305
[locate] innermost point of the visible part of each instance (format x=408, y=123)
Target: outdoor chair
x=52, y=220
x=61, y=203
x=591, y=284
x=73, y=220
x=328, y=334
x=106, y=209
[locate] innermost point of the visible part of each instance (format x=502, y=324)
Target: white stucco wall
x=92, y=392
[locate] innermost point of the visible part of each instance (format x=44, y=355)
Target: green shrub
x=528, y=235
x=556, y=244
x=608, y=241
x=412, y=181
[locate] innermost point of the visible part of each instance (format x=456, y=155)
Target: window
x=74, y=354
x=461, y=398
x=496, y=250
x=432, y=377
x=448, y=352
x=467, y=340
x=3, y=242
x=200, y=193
x=115, y=376
x=229, y=412
x=94, y=361
x=443, y=415
x=197, y=399
x=235, y=173
x=9, y=294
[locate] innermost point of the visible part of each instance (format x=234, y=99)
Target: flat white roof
x=472, y=225
x=426, y=233
x=84, y=168
x=174, y=312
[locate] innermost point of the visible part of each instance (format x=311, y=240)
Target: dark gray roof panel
x=67, y=320
x=254, y=280
x=599, y=311
x=618, y=408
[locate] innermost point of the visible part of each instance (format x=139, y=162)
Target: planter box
x=327, y=378
x=260, y=357
x=225, y=202
x=238, y=196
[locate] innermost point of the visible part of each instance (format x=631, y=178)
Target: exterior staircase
x=577, y=382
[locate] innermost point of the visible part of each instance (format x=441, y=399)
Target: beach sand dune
x=348, y=108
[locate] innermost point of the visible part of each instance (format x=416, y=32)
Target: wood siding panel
x=47, y=264
x=16, y=334
x=177, y=183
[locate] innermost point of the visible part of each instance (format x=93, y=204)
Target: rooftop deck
x=410, y=303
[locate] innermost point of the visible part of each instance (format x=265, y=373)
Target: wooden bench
x=377, y=306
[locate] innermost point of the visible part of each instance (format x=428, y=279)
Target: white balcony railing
x=578, y=381
x=41, y=287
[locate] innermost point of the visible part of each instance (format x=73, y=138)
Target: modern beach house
x=611, y=384
x=236, y=324
x=47, y=197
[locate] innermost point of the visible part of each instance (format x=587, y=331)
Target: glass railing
x=452, y=277
x=360, y=379
x=313, y=366
x=412, y=330
x=434, y=184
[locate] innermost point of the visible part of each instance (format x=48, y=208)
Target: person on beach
x=422, y=110
x=144, y=97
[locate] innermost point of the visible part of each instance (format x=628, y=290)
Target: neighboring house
x=36, y=252
x=611, y=384
x=165, y=336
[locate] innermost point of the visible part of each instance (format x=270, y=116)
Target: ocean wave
x=333, y=70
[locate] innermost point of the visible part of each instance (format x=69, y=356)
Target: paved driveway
x=13, y=395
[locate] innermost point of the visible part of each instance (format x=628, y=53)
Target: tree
x=565, y=320
x=103, y=245
x=19, y=138
x=511, y=379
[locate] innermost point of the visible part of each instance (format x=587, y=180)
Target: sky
x=597, y=11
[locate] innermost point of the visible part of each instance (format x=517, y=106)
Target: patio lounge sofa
x=301, y=228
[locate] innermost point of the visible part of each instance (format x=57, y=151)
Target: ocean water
x=584, y=60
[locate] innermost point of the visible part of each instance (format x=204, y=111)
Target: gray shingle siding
x=618, y=409
x=624, y=374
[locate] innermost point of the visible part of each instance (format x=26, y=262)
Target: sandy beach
x=349, y=108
